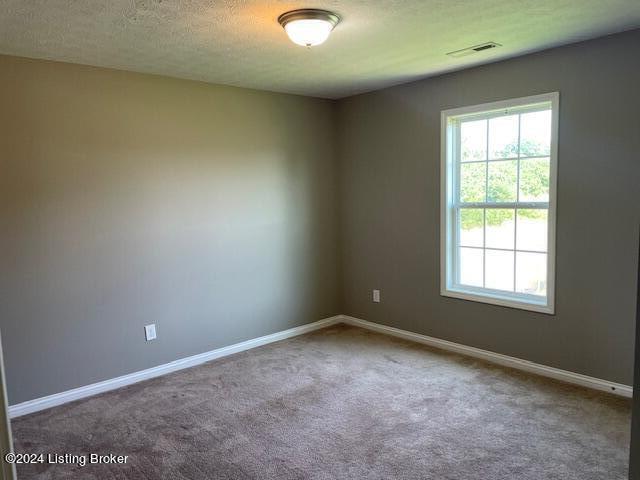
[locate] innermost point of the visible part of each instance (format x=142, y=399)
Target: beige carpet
x=339, y=403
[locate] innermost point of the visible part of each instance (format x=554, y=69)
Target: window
x=498, y=202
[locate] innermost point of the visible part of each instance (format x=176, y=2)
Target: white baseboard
x=49, y=401
x=497, y=358
x=56, y=399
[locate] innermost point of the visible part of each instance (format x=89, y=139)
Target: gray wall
x=223, y=214
x=389, y=150
x=128, y=199
x=634, y=450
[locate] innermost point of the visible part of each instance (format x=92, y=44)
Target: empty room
x=249, y=239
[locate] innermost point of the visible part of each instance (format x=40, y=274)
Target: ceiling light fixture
x=308, y=27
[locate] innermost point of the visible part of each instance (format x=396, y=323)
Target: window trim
x=447, y=164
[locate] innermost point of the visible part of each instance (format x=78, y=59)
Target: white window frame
x=448, y=187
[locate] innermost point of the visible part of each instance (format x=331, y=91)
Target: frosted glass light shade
x=308, y=32
x=308, y=27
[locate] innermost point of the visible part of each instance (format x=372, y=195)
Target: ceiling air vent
x=475, y=49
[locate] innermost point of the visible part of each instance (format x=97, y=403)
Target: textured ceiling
x=239, y=42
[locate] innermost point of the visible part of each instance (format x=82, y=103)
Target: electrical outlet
x=150, y=332
x=376, y=296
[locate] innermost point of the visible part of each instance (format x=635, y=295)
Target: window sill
x=500, y=300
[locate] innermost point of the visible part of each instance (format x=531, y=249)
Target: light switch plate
x=376, y=296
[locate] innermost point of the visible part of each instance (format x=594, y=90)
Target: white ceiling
x=239, y=42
